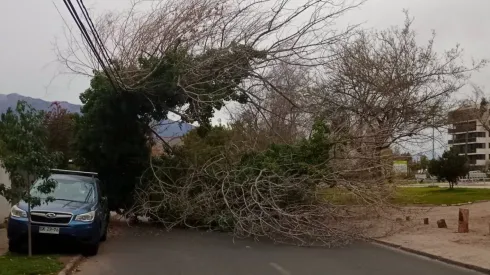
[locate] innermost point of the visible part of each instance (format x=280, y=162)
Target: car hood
x=61, y=206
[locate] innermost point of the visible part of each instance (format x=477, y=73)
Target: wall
x=4, y=205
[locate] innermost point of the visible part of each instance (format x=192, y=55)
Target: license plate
x=49, y=230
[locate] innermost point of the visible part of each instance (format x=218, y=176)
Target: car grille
x=47, y=217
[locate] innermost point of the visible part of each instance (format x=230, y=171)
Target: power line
x=94, y=31
x=88, y=39
x=100, y=45
x=98, y=40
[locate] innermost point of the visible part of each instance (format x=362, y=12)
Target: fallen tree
x=278, y=193
x=269, y=175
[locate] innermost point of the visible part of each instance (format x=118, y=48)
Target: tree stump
x=426, y=220
x=463, y=221
x=407, y=218
x=441, y=223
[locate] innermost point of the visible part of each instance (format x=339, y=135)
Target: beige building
x=469, y=137
x=4, y=205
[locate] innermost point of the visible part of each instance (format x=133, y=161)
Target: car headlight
x=17, y=212
x=87, y=217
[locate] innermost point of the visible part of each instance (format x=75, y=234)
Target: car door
x=103, y=206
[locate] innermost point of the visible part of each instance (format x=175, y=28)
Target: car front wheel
x=104, y=237
x=90, y=249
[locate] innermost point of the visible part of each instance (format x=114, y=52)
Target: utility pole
x=433, y=139
x=433, y=146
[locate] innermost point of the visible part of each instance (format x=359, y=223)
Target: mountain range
x=169, y=128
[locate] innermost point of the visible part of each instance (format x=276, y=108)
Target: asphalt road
x=150, y=251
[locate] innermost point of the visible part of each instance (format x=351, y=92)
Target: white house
x=4, y=205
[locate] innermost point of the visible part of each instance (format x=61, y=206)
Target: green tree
x=24, y=156
x=450, y=166
x=113, y=140
x=113, y=136
x=60, y=125
x=199, y=149
x=424, y=163
x=206, y=166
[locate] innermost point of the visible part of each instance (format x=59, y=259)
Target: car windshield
x=69, y=189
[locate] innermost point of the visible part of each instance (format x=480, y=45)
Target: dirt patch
x=471, y=248
x=65, y=259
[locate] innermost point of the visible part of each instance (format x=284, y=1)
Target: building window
x=462, y=127
x=474, y=158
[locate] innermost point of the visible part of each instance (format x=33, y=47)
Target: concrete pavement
x=478, y=185
x=150, y=251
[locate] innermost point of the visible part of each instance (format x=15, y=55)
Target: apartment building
x=469, y=137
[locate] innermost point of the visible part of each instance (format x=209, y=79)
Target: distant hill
x=10, y=101
x=167, y=129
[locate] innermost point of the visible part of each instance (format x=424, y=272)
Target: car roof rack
x=73, y=172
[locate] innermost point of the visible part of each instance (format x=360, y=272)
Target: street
x=152, y=251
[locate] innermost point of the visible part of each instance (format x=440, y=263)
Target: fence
x=476, y=176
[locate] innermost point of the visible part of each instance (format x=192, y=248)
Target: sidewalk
x=480, y=185
x=3, y=241
x=468, y=248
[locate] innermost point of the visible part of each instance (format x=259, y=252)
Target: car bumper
x=75, y=231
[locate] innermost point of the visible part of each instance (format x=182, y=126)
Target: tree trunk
x=441, y=223
x=463, y=220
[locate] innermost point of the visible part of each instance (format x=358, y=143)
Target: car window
x=67, y=189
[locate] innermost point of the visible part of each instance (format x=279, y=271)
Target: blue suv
x=79, y=212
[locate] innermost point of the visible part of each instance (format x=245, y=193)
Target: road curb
x=434, y=257
x=71, y=265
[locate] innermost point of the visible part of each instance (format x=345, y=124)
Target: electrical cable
x=98, y=41
x=87, y=38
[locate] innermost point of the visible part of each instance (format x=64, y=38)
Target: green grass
x=438, y=196
x=11, y=264
x=416, y=195
x=335, y=196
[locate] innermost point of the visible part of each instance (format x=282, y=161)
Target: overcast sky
x=28, y=64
